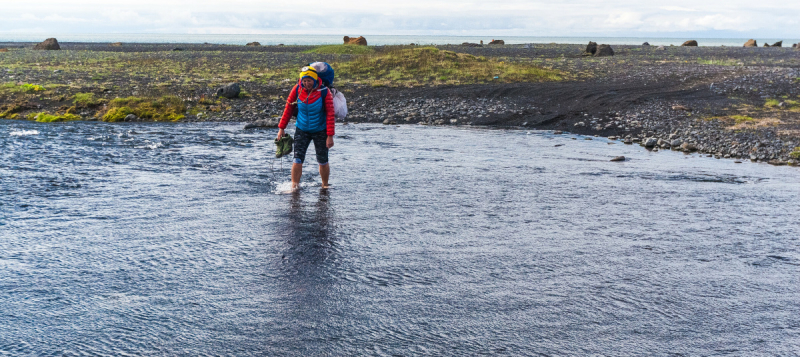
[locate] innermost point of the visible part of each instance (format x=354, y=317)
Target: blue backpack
x=324, y=71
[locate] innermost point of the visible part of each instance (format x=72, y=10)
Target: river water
x=174, y=239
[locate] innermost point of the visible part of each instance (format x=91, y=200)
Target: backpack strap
x=322, y=97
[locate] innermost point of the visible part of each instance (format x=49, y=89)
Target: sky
x=711, y=18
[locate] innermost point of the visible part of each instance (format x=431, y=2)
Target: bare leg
x=297, y=172
x=324, y=173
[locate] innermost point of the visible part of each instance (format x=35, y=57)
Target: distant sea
x=273, y=39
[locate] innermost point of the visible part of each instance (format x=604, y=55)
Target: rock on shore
x=230, y=91
x=263, y=123
x=690, y=43
x=50, y=44
x=591, y=48
x=360, y=41
x=603, y=51
x=751, y=43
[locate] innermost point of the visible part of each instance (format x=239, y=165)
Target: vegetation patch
x=788, y=104
x=11, y=110
x=166, y=108
x=795, y=154
x=413, y=66
x=341, y=50
x=86, y=100
x=745, y=122
x=22, y=88
x=49, y=118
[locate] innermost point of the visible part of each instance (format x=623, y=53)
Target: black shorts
x=301, y=141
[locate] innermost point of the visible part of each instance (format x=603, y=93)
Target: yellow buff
x=310, y=72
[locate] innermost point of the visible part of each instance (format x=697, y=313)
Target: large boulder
x=49, y=44
x=691, y=43
x=751, y=43
x=766, y=44
x=231, y=90
x=3, y=49
x=604, y=50
x=777, y=44
x=253, y=44
x=360, y=40
x=591, y=48
x=497, y=42
x=646, y=44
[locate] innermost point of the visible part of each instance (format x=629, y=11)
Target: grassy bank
x=167, y=85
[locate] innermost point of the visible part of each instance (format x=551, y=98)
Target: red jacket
x=304, y=95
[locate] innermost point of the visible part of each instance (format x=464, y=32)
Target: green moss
x=772, y=103
x=49, y=118
x=166, y=108
x=117, y=114
x=341, y=50
x=28, y=88
x=86, y=100
x=10, y=111
x=22, y=88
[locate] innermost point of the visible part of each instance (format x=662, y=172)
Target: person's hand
x=329, y=142
x=280, y=134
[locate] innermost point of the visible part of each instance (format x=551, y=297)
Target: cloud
x=677, y=8
x=411, y=17
x=626, y=19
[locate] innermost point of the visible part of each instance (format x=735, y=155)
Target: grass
x=415, y=66
x=341, y=50
x=771, y=103
x=741, y=119
x=166, y=108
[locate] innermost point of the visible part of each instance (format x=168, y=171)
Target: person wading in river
x=315, y=122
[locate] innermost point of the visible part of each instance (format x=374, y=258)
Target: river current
x=175, y=239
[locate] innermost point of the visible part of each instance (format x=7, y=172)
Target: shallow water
x=171, y=239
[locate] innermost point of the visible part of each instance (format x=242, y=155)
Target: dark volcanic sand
x=678, y=94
